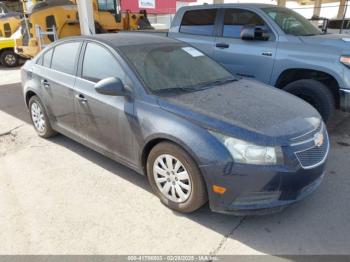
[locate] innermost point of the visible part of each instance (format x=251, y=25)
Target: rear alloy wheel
x=39, y=118
x=175, y=178
x=9, y=58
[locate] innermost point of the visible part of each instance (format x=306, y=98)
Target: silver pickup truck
x=274, y=45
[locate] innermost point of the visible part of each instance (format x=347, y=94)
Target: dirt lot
x=58, y=197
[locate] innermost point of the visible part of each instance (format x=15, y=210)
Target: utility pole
x=86, y=17
x=342, y=22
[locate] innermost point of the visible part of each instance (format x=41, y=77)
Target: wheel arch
x=6, y=49
x=293, y=74
x=28, y=95
x=155, y=140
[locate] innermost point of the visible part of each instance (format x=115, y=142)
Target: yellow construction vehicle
x=54, y=19
x=109, y=17
x=9, y=21
x=45, y=22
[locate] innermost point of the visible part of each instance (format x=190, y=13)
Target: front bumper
x=260, y=190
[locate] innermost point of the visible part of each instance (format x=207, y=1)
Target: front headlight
x=247, y=153
x=345, y=60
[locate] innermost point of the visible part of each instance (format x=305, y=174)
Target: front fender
x=309, y=57
x=157, y=123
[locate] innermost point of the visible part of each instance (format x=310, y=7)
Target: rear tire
x=39, y=118
x=9, y=58
x=315, y=93
x=182, y=173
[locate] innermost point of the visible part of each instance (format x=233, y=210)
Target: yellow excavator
x=9, y=21
x=50, y=20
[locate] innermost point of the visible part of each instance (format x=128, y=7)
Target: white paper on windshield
x=193, y=52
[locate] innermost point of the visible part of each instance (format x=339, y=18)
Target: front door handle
x=266, y=53
x=222, y=45
x=81, y=98
x=45, y=83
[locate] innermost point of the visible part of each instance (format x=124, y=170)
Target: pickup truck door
x=247, y=58
x=198, y=28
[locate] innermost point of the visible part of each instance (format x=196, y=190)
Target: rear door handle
x=81, y=98
x=45, y=83
x=222, y=45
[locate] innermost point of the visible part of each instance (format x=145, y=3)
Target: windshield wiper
x=175, y=90
x=195, y=88
x=223, y=81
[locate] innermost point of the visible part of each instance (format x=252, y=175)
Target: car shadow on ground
x=318, y=225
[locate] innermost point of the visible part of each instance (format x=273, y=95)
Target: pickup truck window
x=199, y=22
x=337, y=24
x=291, y=22
x=235, y=19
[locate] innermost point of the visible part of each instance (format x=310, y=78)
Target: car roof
x=116, y=40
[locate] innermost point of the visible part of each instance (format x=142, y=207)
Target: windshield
x=168, y=68
x=291, y=22
x=106, y=5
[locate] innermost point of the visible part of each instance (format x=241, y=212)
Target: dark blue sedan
x=166, y=110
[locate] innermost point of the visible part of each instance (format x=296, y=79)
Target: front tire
x=39, y=118
x=9, y=58
x=175, y=178
x=315, y=93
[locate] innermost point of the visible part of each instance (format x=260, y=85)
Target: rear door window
x=64, y=57
x=199, y=22
x=235, y=19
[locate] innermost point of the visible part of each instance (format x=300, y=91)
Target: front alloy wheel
x=175, y=178
x=172, y=178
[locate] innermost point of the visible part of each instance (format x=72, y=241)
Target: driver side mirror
x=111, y=86
x=251, y=32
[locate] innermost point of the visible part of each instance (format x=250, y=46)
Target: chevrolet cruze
x=166, y=110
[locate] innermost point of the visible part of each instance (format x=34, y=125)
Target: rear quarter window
x=199, y=22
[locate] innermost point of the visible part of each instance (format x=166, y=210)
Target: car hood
x=340, y=41
x=246, y=109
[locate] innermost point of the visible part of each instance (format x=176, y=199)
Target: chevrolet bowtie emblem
x=318, y=139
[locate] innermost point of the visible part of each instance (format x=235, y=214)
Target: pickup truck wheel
x=9, y=58
x=315, y=93
x=175, y=178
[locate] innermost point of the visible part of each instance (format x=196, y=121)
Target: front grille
x=315, y=155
